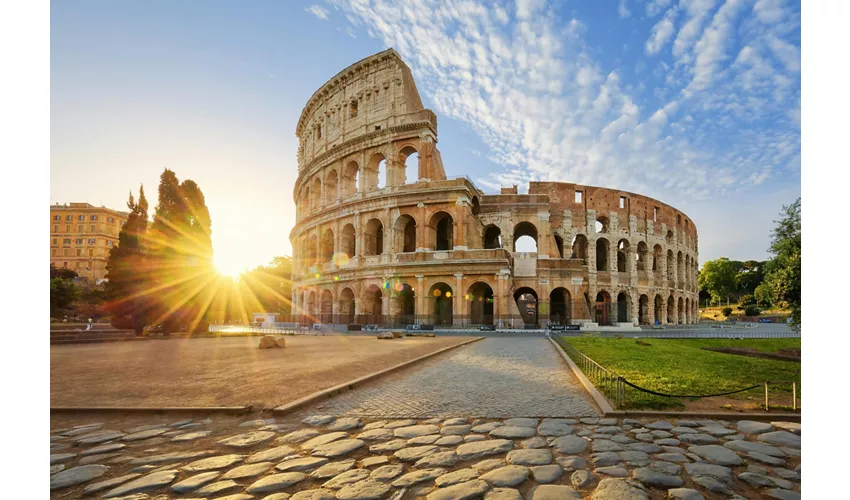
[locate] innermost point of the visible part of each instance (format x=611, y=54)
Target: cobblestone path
x=498, y=377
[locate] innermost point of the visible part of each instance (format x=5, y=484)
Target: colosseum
x=383, y=237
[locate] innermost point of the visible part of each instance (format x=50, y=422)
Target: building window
x=318, y=131
x=655, y=214
x=65, y=252
x=109, y=243
x=112, y=220
x=93, y=228
x=67, y=241
x=91, y=241
x=67, y=228
x=79, y=241
x=64, y=264
x=578, y=196
x=81, y=228
x=622, y=202
x=55, y=241
x=91, y=252
x=94, y=217
x=55, y=228
x=353, y=109
x=82, y=217
x=79, y=252
x=53, y=252
x=57, y=217
x=69, y=218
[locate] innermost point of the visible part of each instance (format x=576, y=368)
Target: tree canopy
x=783, y=280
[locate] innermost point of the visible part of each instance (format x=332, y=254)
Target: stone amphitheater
x=384, y=237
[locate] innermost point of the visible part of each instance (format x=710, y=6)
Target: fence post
x=794, y=395
x=766, y=402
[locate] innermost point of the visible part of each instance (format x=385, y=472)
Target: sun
x=232, y=268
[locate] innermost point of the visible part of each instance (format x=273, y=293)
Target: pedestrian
x=89, y=327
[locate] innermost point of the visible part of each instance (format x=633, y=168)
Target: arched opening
x=476, y=206
x=376, y=172
x=350, y=179
x=559, y=243
x=481, y=302
x=680, y=268
x=306, y=200
x=623, y=308
x=670, y=276
x=526, y=301
x=602, y=224
x=642, y=256
x=603, y=309
x=313, y=250
x=657, y=254
x=327, y=245
x=687, y=310
x=442, y=297
x=317, y=194
x=382, y=175
x=525, y=237
x=406, y=304
x=373, y=240
x=580, y=248
x=310, y=307
x=405, y=234
x=346, y=306
x=331, y=182
x=410, y=159
x=643, y=310
x=602, y=255
x=442, y=229
x=348, y=243
x=671, y=310
x=669, y=237
x=560, y=306
x=326, y=305
x=681, y=310
x=492, y=237
x=622, y=256
x=371, y=308
x=658, y=312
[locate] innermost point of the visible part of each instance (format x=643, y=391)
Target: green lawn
x=679, y=366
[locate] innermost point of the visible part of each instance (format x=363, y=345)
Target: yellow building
x=81, y=237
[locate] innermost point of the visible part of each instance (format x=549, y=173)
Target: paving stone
x=787, y=474
x=276, y=482
x=470, y=438
x=218, y=487
x=194, y=482
x=109, y=483
x=471, y=451
x=715, y=471
x=418, y=476
x=552, y=492
x=684, y=494
x=605, y=458
x=717, y=454
x=344, y=424
x=105, y=448
x=257, y=423
x=522, y=422
x=448, y=440
x=456, y=477
x=275, y=496
x=509, y=475
x=388, y=446
x=793, y=427
x=530, y=457
x=620, y=439
x=782, y=494
x=299, y=436
x=754, y=479
x=346, y=478
x=717, y=431
x=455, y=421
x=56, y=468
x=416, y=430
x=791, y=452
x=589, y=420
x=213, y=463
x=455, y=430
x=100, y=437
x=503, y=494
x=144, y=468
x=750, y=446
x=415, y=453
x=734, y=437
x=332, y=469
x=644, y=437
x=698, y=439
x=318, y=420
x=386, y=472
x=61, y=457
x=652, y=477
x=612, y=471
x=781, y=438
x=247, y=440
x=176, y=456
x=605, y=445
x=673, y=457
x=489, y=464
x=430, y=439
x=535, y=442
x=582, y=479
x=683, y=430
x=372, y=461
x=782, y=483
x=661, y=425
x=713, y=485
x=547, y=473
x=190, y=436
x=301, y=464
x=666, y=468
x=644, y=447
x=609, y=429
x=489, y=426
x=363, y=490
x=271, y=454
x=376, y=435
x=76, y=475
x=146, y=434
x=149, y=482
x=513, y=432
x=461, y=491
x=618, y=489
x=439, y=459
x=400, y=423
x=237, y=496
x=338, y=448
x=379, y=424
x=667, y=442
x=248, y=470
x=753, y=427
x=317, y=494
x=79, y=430
x=635, y=457
x=569, y=445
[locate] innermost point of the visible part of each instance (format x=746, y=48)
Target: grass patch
x=680, y=366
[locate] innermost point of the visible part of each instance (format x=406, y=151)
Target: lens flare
x=341, y=259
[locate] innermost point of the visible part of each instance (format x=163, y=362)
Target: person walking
x=89, y=327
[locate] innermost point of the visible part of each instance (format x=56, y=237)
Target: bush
x=752, y=310
x=727, y=311
x=747, y=300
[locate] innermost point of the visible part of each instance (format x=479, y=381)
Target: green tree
x=128, y=293
x=63, y=294
x=750, y=276
x=717, y=277
x=62, y=272
x=784, y=274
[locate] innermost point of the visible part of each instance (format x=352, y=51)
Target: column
x=460, y=230
x=421, y=225
x=635, y=307
x=420, y=299
x=457, y=300
x=544, y=236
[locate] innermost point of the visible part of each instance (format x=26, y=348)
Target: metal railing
x=253, y=329
x=607, y=382
x=679, y=334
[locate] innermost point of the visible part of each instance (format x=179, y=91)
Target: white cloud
x=710, y=50
x=318, y=11
x=787, y=53
x=696, y=13
x=654, y=7
x=661, y=32
x=769, y=11
x=623, y=11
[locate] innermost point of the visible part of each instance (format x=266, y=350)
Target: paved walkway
x=498, y=377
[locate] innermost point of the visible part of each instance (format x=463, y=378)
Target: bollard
x=766, y=402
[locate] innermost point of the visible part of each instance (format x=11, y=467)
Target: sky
x=693, y=102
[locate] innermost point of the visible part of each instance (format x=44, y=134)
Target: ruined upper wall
x=372, y=94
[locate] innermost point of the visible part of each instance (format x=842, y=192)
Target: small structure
x=264, y=319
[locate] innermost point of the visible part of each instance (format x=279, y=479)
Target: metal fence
x=253, y=329
x=683, y=334
x=607, y=382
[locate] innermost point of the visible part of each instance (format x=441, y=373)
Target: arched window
x=643, y=310
x=313, y=250
x=404, y=307
x=373, y=241
x=441, y=229
x=317, y=194
x=409, y=160
x=376, y=172
x=327, y=245
x=623, y=308
x=580, y=248
x=669, y=237
x=492, y=237
x=441, y=295
x=657, y=254
x=670, y=261
x=326, y=307
x=306, y=201
x=602, y=224
x=602, y=255
x=560, y=306
x=331, y=187
x=371, y=308
x=559, y=244
x=481, y=304
x=405, y=234
x=346, y=306
x=642, y=255
x=603, y=313
x=525, y=237
x=350, y=179
x=347, y=244
x=622, y=256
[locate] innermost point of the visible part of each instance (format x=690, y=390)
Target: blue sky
x=696, y=103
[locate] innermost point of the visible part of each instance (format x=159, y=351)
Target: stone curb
x=598, y=398
x=326, y=393
x=152, y=409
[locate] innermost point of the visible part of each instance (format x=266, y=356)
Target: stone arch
x=313, y=250
x=687, y=310
x=623, y=248
x=443, y=308
x=527, y=302
x=522, y=230
x=602, y=255
x=310, y=305
x=643, y=310
x=346, y=306
x=317, y=194
x=671, y=310
x=671, y=278
x=657, y=253
x=680, y=316
x=481, y=303
x=604, y=311
x=559, y=244
x=348, y=241
x=670, y=237
x=680, y=269
x=492, y=237
x=623, y=307
x=580, y=248
x=560, y=306
x=307, y=200
x=371, y=305
x=326, y=305
x=441, y=231
x=658, y=311
x=331, y=181
x=408, y=165
x=404, y=234
x=350, y=179
x=404, y=304
x=373, y=237
x=476, y=206
x=327, y=244
x=602, y=225
x=642, y=256
x=376, y=172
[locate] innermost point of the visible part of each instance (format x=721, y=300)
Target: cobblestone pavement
x=498, y=377
x=349, y=458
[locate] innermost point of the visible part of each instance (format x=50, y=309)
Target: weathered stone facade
x=377, y=242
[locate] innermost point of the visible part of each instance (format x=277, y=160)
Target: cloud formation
x=318, y=11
